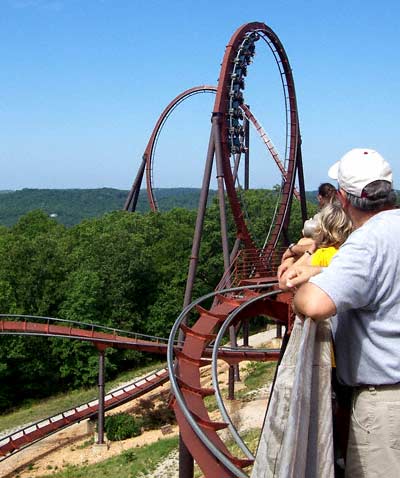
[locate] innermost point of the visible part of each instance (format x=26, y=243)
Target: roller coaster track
x=238, y=55
x=198, y=430
x=153, y=344
x=99, y=335
x=256, y=294
x=104, y=336
x=149, y=153
x=268, y=143
x=34, y=432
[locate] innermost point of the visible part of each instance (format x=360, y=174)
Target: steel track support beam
x=216, y=119
x=186, y=464
x=100, y=416
x=133, y=196
x=303, y=202
x=194, y=257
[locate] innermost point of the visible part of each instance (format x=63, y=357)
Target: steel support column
x=236, y=165
x=231, y=382
x=194, y=258
x=303, y=202
x=245, y=331
x=186, y=464
x=133, y=196
x=224, y=234
x=100, y=417
x=221, y=190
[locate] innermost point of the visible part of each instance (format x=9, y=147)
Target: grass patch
x=211, y=403
x=251, y=438
x=37, y=410
x=131, y=463
x=85, y=444
x=258, y=374
x=135, y=462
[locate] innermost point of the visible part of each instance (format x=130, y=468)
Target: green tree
x=121, y=270
x=32, y=265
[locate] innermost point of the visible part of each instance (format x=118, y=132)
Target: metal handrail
x=246, y=263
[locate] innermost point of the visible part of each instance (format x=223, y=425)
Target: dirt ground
x=73, y=444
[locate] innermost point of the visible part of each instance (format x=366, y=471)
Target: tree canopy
x=123, y=270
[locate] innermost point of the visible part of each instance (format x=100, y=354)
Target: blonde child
x=332, y=229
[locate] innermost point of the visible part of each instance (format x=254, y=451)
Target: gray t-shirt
x=363, y=280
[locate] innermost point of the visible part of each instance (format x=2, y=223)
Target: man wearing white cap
x=362, y=286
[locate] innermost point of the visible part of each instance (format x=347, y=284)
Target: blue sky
x=82, y=83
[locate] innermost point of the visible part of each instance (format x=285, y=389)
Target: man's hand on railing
x=286, y=264
x=298, y=275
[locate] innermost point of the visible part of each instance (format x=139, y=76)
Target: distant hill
x=71, y=206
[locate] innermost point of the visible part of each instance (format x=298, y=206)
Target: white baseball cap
x=358, y=168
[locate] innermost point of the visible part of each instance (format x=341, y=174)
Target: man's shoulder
x=370, y=242
x=389, y=216
x=379, y=224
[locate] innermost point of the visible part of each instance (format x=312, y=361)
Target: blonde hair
x=334, y=226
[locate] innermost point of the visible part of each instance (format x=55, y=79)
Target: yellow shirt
x=322, y=257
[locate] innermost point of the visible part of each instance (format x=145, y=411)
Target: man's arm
x=298, y=249
x=311, y=301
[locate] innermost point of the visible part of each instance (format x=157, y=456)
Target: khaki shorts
x=374, y=438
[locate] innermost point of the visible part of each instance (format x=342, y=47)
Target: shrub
x=121, y=426
x=154, y=416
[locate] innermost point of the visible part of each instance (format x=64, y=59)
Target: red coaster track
x=199, y=431
x=99, y=336
x=149, y=153
x=238, y=55
x=34, y=432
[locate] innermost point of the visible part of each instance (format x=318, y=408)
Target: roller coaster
x=248, y=287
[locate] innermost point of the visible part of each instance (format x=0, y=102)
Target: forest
x=71, y=206
x=121, y=269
